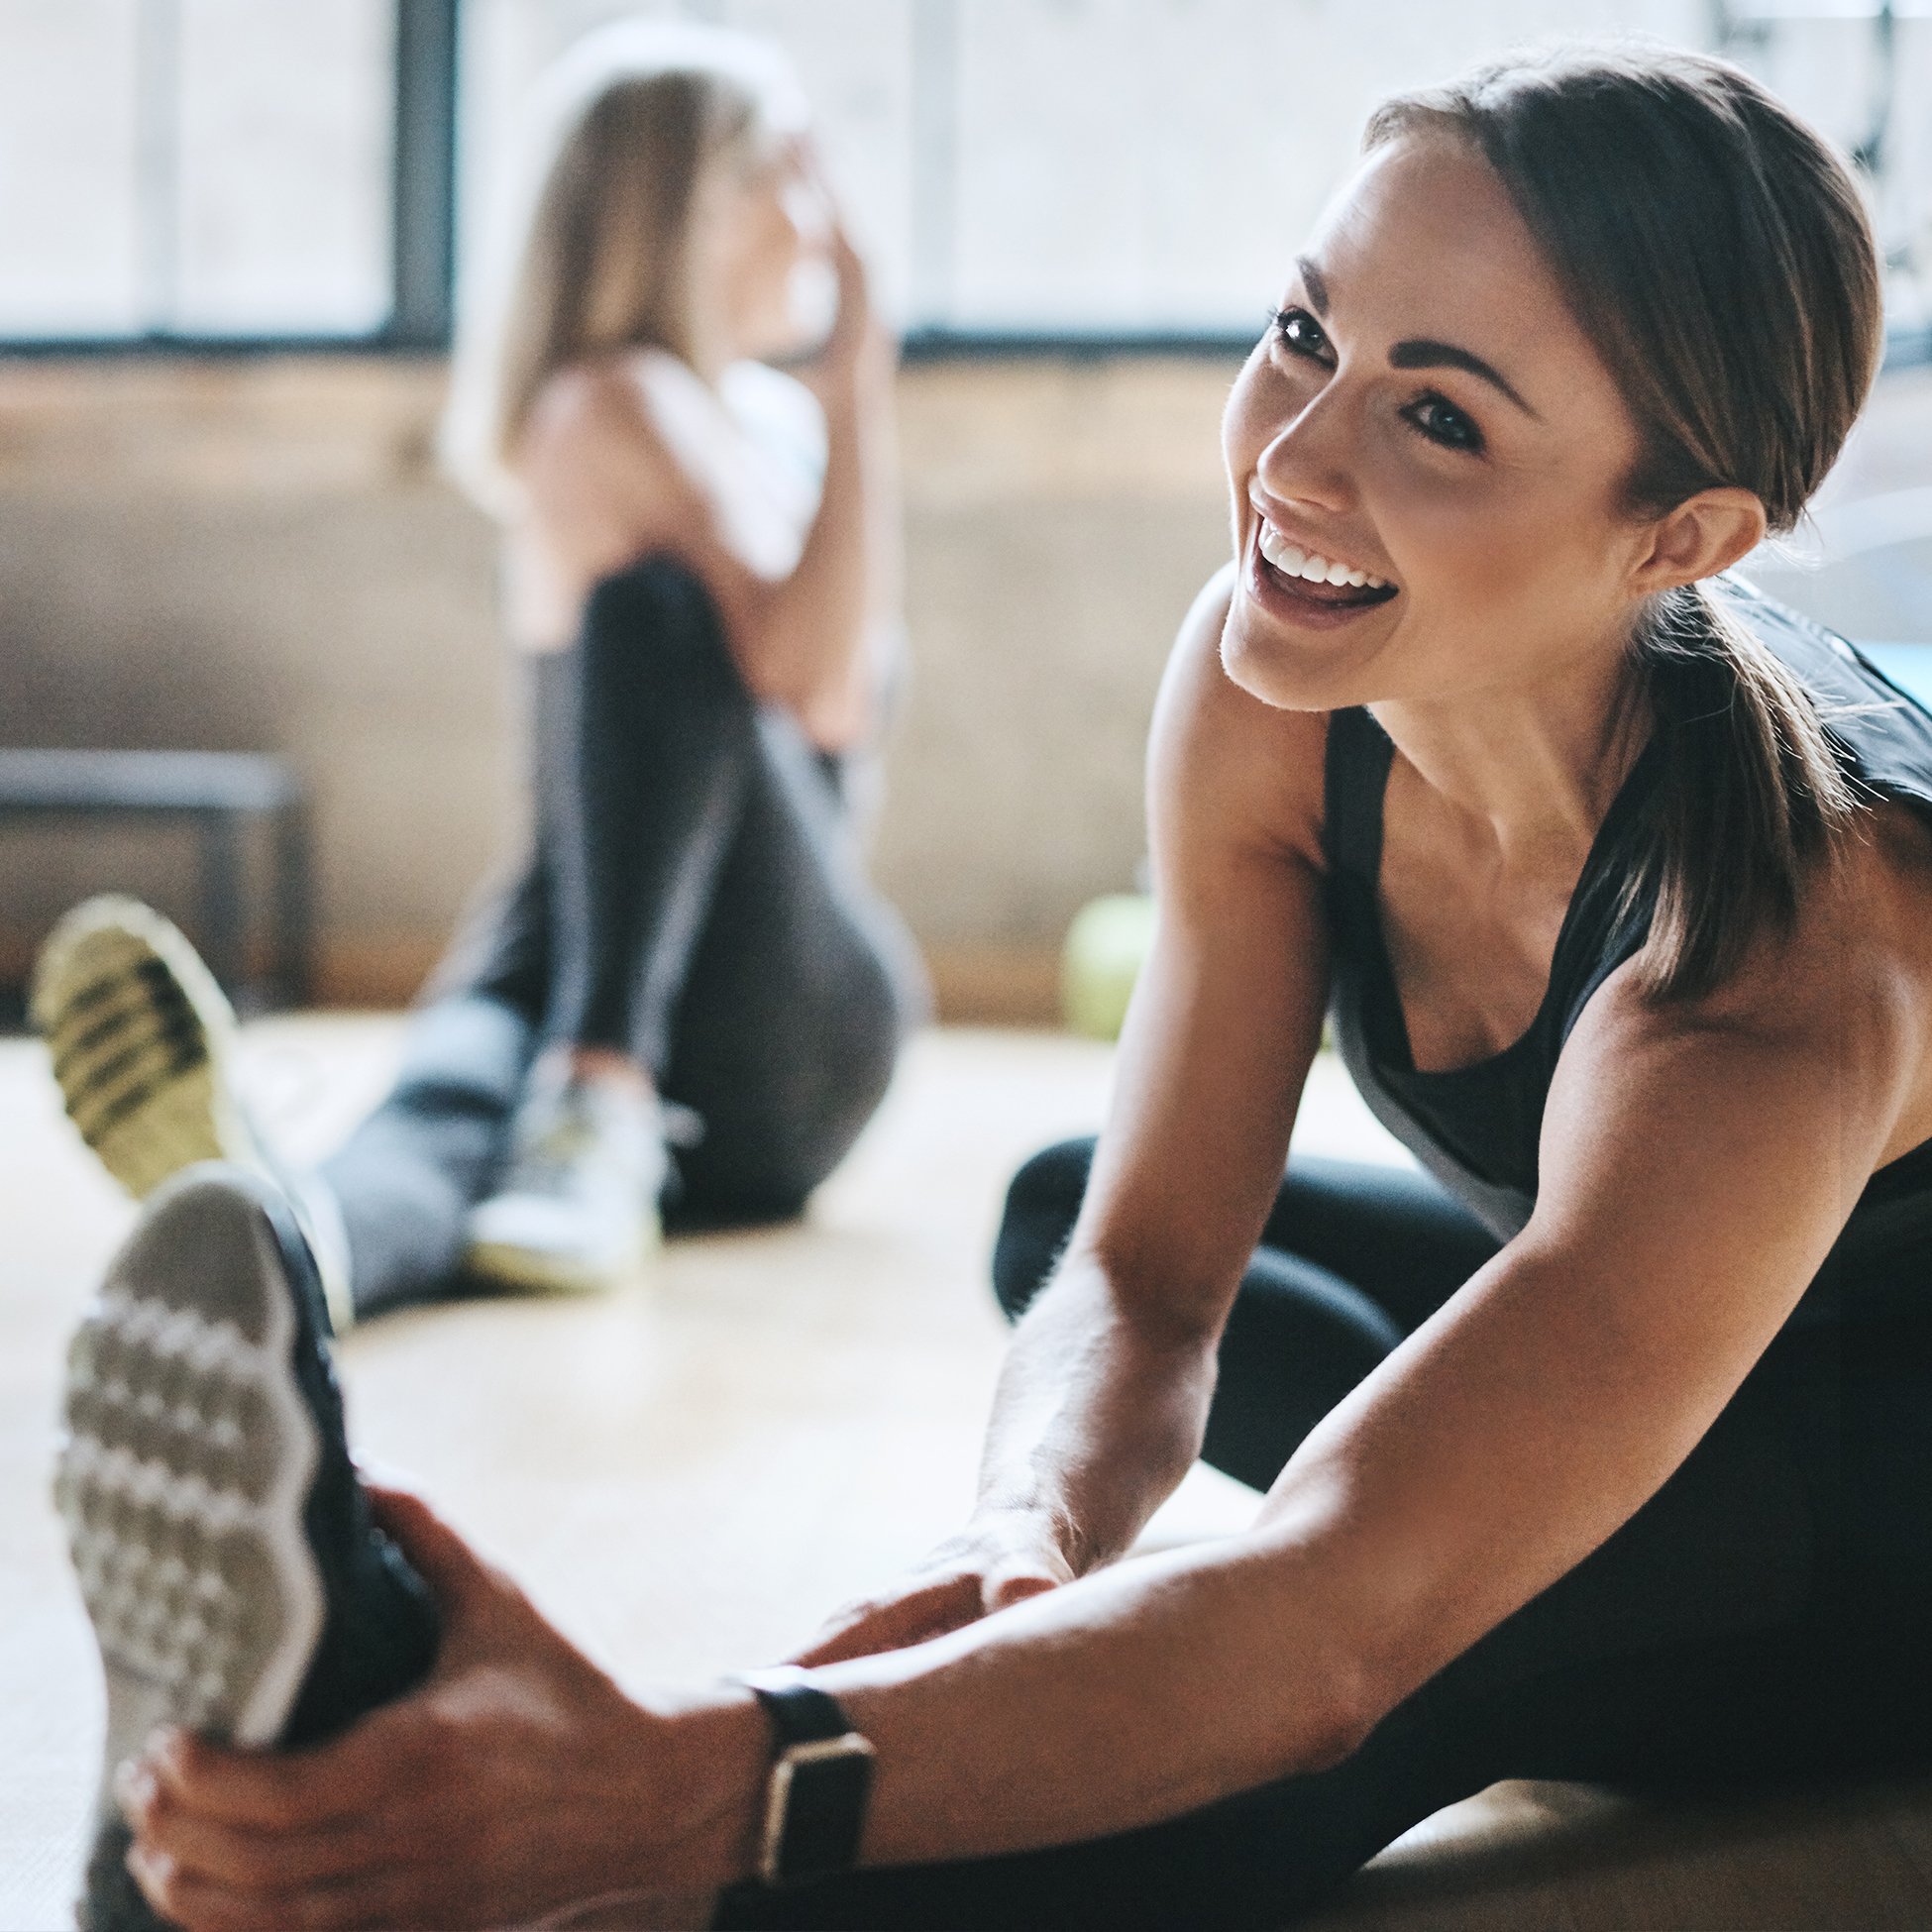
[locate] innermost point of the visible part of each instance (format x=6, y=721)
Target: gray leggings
x=694, y=896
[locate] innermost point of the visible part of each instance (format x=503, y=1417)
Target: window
x=222, y=172
x=1022, y=171
x=1862, y=71
x=1075, y=170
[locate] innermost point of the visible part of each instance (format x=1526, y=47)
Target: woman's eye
x=1295, y=329
x=1439, y=419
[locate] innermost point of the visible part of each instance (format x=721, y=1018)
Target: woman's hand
x=518, y=1778
x=860, y=350
x=1000, y=1558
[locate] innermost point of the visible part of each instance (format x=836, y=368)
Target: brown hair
x=630, y=124
x=1716, y=252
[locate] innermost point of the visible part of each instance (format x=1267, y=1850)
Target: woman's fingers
x=894, y=1623
x=248, y=1857
x=327, y=1783
x=1005, y=1588
x=249, y=1788
x=382, y=1900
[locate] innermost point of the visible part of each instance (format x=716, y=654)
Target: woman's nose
x=1308, y=459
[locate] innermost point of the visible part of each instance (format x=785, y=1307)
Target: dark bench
x=221, y=795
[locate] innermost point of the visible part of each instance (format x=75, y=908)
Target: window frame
x=422, y=224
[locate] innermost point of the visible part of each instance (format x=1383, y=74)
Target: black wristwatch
x=821, y=1776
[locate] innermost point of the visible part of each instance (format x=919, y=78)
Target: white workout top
x=755, y=445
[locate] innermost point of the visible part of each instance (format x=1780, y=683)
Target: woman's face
x=767, y=247
x=1426, y=413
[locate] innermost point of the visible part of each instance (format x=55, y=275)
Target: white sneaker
x=142, y=1040
x=577, y=1210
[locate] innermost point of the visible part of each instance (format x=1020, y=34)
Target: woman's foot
x=577, y=1210
x=223, y=1541
x=143, y=1041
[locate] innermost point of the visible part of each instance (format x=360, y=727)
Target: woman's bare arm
x=815, y=640
x=1104, y=1396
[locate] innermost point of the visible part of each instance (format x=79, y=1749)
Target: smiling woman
x=1603, y=1451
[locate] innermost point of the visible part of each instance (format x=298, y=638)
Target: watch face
x=814, y=1809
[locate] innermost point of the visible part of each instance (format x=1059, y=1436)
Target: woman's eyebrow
x=1420, y=352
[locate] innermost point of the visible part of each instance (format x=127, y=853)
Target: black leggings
x=1762, y=1618
x=694, y=897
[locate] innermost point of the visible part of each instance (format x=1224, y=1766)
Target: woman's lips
x=1296, y=601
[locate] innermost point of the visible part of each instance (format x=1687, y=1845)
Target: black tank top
x=1477, y=1128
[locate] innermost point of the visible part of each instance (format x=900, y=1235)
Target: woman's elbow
x=1334, y=1710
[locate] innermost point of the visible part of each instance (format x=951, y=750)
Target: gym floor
x=687, y=1475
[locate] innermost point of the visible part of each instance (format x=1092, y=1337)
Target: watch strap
x=820, y=1780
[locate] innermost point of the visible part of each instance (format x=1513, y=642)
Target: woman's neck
x=1537, y=765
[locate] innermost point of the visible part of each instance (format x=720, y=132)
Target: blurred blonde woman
x=699, y=568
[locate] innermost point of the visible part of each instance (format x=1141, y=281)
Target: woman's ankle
x=603, y=1064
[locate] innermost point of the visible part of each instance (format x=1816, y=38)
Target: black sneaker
x=226, y=1554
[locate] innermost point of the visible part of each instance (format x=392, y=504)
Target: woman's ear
x=1703, y=535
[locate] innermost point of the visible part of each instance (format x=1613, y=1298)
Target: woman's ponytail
x=1751, y=792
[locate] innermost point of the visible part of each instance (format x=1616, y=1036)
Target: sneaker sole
x=186, y=1470
x=140, y=1036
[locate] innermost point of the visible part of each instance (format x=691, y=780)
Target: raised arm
x=815, y=641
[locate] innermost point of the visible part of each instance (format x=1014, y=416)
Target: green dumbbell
x=1107, y=945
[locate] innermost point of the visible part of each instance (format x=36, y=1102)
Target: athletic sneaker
x=143, y=1041
x=577, y=1210
x=224, y=1544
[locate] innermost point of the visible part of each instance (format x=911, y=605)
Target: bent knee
x=1042, y=1203
x=652, y=620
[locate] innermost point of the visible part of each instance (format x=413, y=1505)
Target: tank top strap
x=1354, y=775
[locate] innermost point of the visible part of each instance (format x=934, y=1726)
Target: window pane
x=285, y=142
x=1128, y=165
x=198, y=165
x=70, y=258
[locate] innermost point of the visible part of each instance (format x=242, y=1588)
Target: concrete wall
x=259, y=555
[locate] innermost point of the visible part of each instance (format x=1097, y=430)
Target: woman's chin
x=1290, y=673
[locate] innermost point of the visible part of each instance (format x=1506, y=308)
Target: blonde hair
x=629, y=127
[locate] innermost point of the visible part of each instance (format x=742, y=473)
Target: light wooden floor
x=690, y=1473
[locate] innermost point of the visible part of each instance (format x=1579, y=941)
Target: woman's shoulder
x=596, y=436
x=1885, y=733
x=590, y=407
x=1857, y=952
x=1236, y=767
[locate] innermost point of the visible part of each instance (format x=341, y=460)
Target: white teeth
x=1292, y=561
x=1276, y=548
